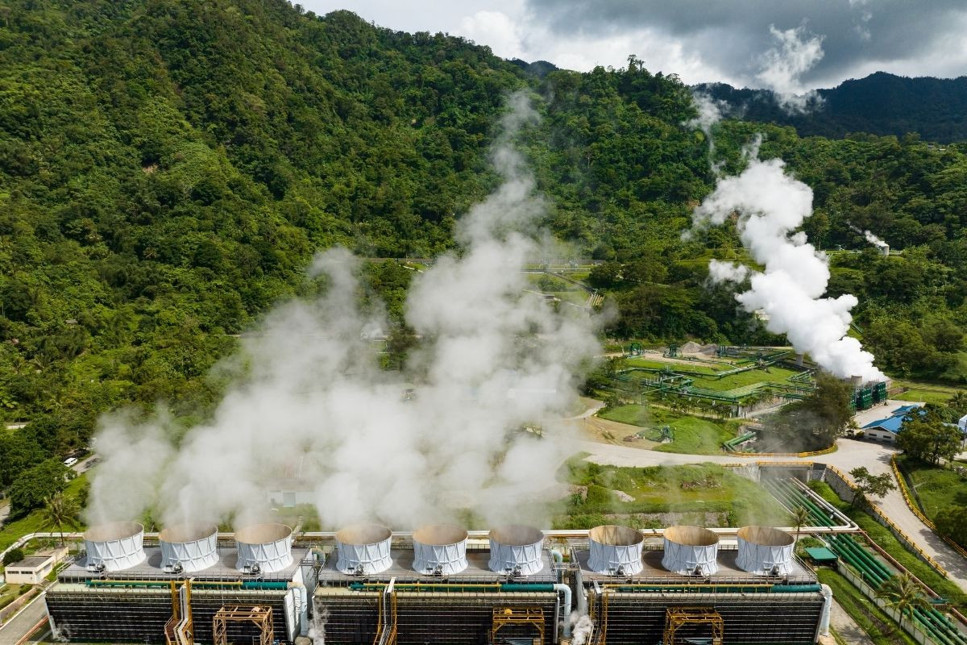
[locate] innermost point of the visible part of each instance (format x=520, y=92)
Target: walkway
x=16, y=630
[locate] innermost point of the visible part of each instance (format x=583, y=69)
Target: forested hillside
x=881, y=103
x=168, y=168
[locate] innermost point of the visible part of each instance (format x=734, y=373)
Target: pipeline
x=263, y=585
x=722, y=588
x=936, y=625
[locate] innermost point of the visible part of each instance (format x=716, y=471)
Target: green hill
x=168, y=168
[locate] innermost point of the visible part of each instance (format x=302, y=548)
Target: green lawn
x=33, y=523
x=936, y=488
x=881, y=629
x=693, y=435
x=731, y=382
x=927, y=392
x=882, y=536
x=698, y=489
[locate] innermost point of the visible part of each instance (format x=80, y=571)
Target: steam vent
x=440, y=549
x=264, y=548
x=364, y=549
x=765, y=550
x=115, y=546
x=615, y=550
x=691, y=550
x=516, y=549
x=188, y=547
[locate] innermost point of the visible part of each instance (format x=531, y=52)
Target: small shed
x=821, y=555
x=30, y=571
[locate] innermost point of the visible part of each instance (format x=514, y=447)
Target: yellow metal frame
x=260, y=615
x=678, y=617
x=507, y=616
x=175, y=633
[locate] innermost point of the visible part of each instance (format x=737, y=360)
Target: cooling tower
x=765, y=550
x=115, y=546
x=516, y=549
x=264, y=548
x=188, y=547
x=691, y=550
x=364, y=549
x=440, y=549
x=615, y=550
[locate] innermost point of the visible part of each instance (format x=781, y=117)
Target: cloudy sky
x=787, y=45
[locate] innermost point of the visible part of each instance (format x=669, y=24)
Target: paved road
x=17, y=628
x=849, y=455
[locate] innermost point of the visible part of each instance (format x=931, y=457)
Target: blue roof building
x=886, y=429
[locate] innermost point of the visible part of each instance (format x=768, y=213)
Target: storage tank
x=440, y=549
x=765, y=550
x=114, y=546
x=188, y=547
x=691, y=550
x=263, y=548
x=364, y=549
x=516, y=549
x=615, y=550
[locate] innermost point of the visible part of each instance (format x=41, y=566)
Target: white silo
x=615, y=550
x=440, y=549
x=691, y=550
x=188, y=547
x=364, y=549
x=765, y=550
x=114, y=546
x=264, y=548
x=516, y=549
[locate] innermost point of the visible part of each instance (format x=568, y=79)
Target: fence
x=841, y=483
x=913, y=629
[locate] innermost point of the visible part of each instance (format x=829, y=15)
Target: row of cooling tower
x=437, y=549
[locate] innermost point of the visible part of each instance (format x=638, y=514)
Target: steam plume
x=314, y=411
x=783, y=66
x=770, y=206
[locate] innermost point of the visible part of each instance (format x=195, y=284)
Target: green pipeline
x=455, y=588
x=198, y=584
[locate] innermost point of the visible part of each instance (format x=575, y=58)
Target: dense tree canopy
x=168, y=168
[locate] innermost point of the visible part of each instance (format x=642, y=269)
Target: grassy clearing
x=936, y=488
x=881, y=629
x=731, y=382
x=33, y=522
x=922, y=391
x=882, y=536
x=629, y=495
x=693, y=435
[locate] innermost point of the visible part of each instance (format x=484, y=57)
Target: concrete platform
x=728, y=572
x=402, y=569
x=224, y=569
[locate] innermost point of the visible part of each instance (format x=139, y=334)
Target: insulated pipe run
x=827, y=610
x=565, y=591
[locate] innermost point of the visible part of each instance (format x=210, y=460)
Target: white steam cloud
x=315, y=413
x=709, y=113
x=771, y=205
x=783, y=66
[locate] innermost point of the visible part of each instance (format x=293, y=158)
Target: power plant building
x=438, y=584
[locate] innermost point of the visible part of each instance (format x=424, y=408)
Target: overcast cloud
x=733, y=41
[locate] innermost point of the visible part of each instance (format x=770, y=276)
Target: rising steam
x=783, y=66
x=314, y=411
x=771, y=205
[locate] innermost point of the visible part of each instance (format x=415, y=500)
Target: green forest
x=169, y=167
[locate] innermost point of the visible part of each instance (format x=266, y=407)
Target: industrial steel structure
x=439, y=584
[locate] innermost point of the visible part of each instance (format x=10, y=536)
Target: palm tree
x=800, y=518
x=60, y=511
x=903, y=594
